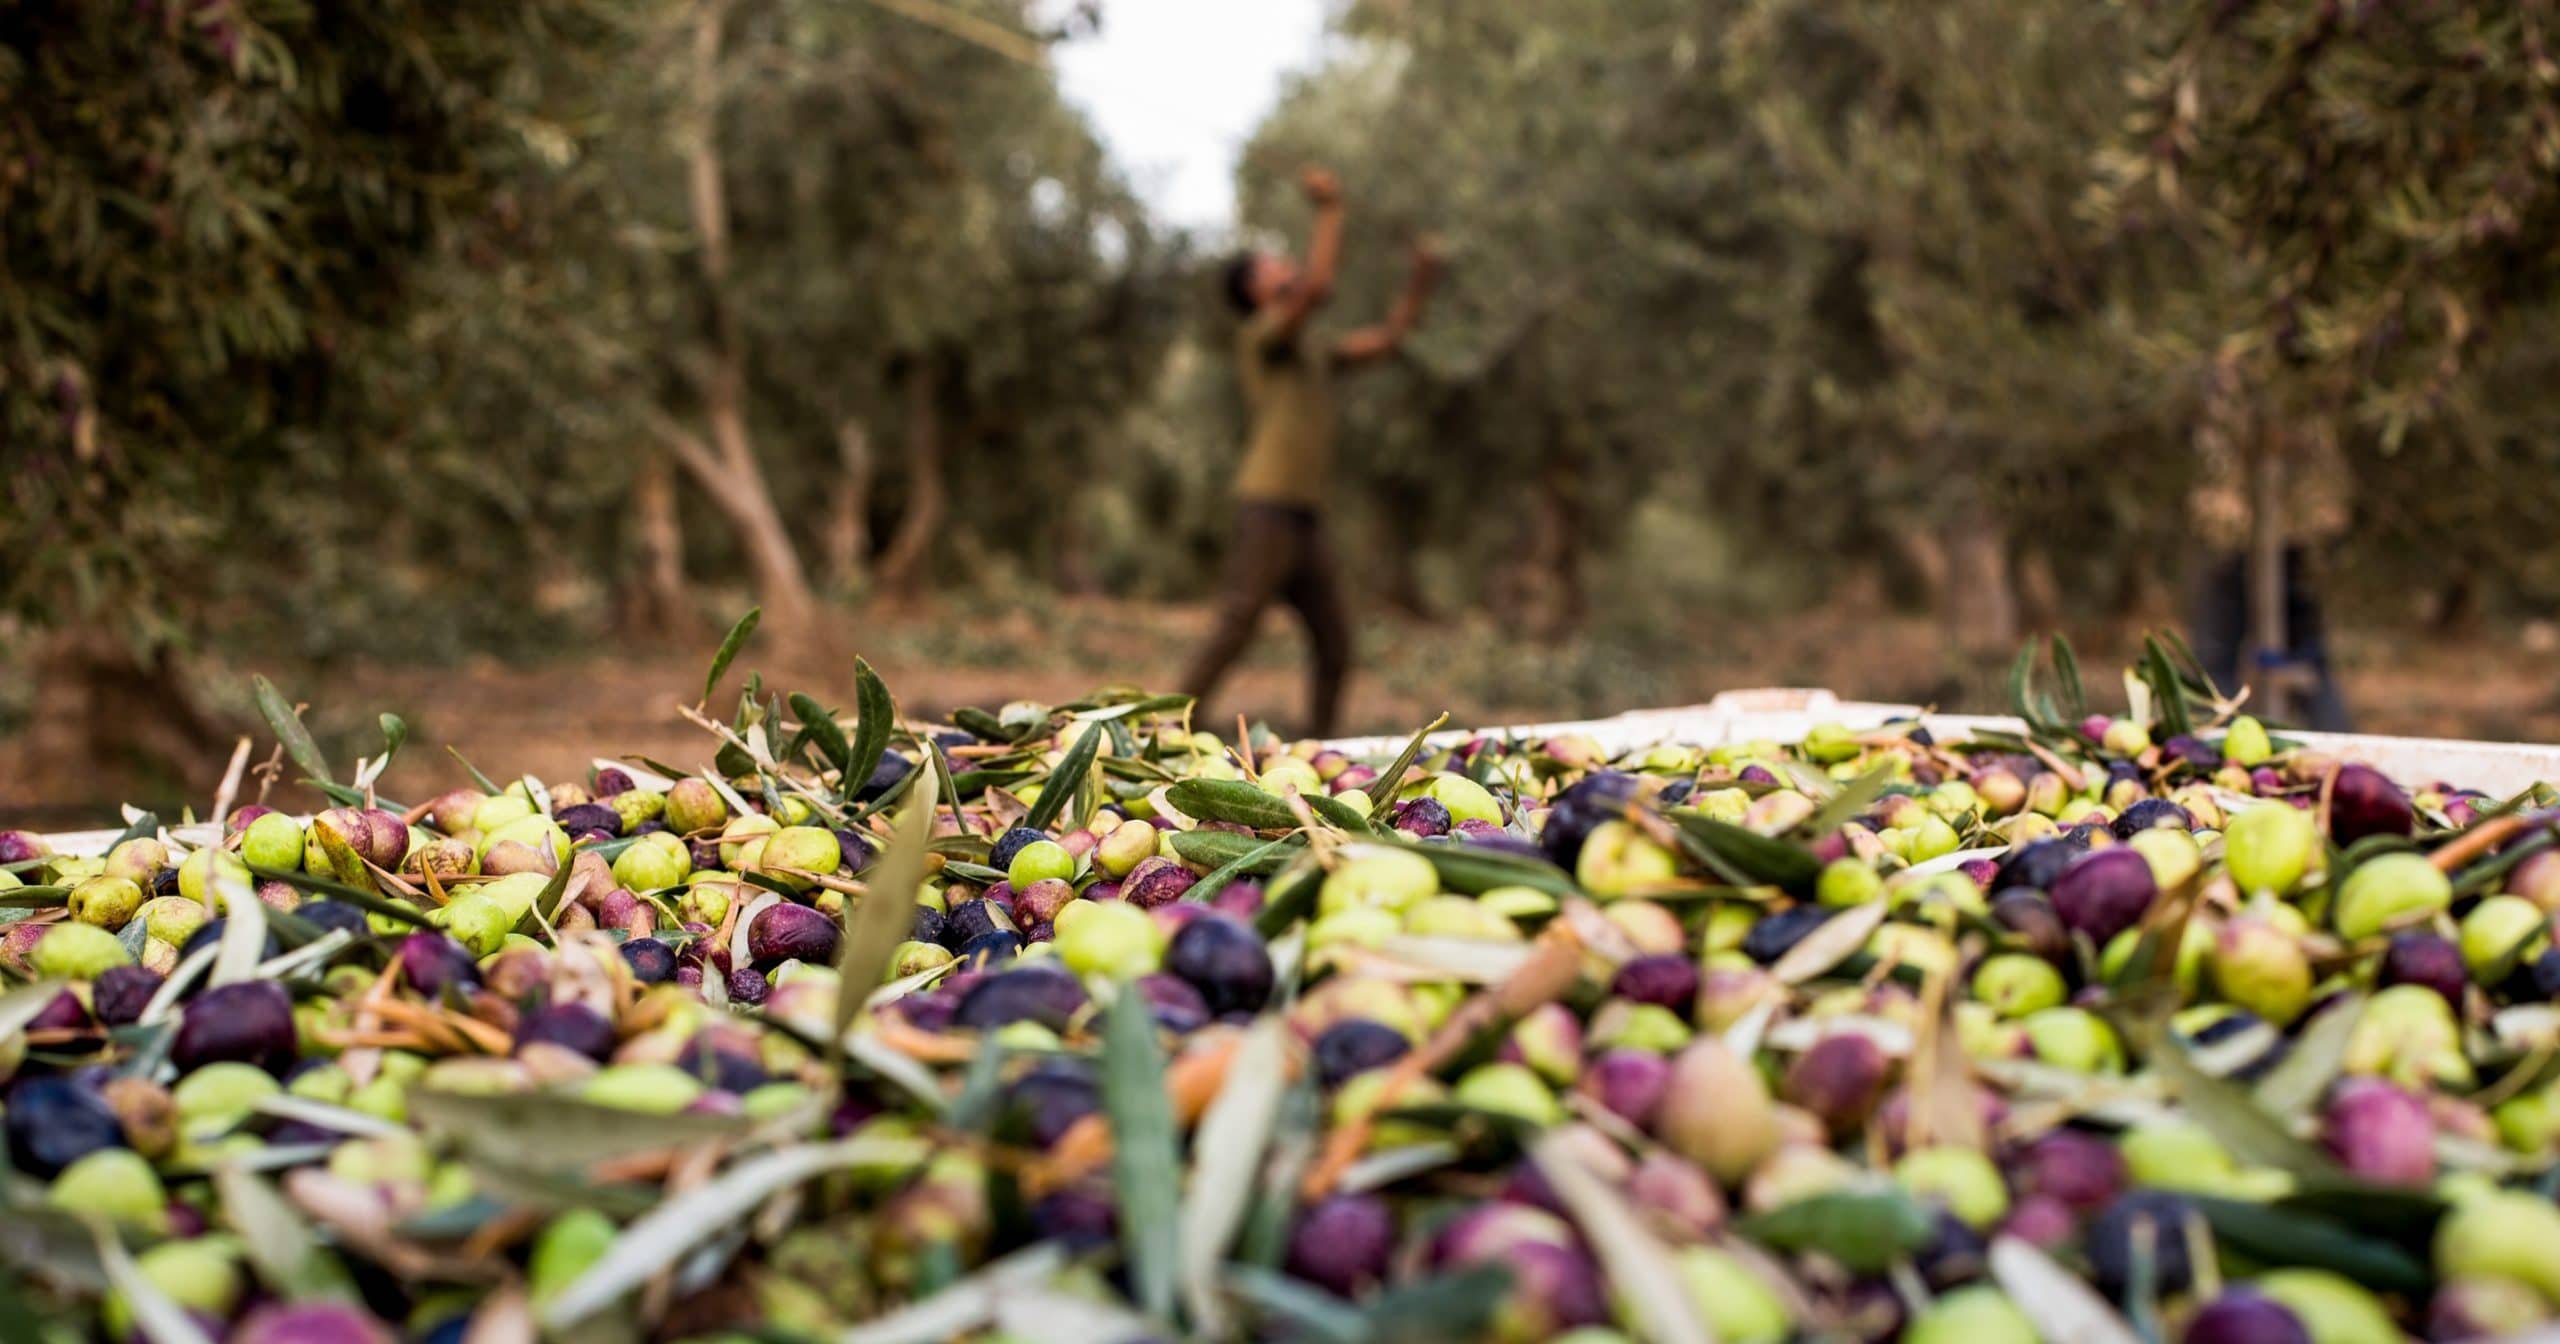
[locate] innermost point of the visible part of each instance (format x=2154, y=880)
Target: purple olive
x=971, y=920
x=854, y=849
x=2038, y=865
x=2241, y=1316
x=2152, y=813
x=1426, y=818
x=1629, y=1082
x=2363, y=801
x=2420, y=958
x=651, y=961
x=1177, y=1006
x=1080, y=1219
x=1156, y=881
x=572, y=1026
x=1223, y=959
x=20, y=846
x=789, y=932
x=1355, y=1046
x=122, y=992
x=2163, y=1216
x=64, y=1013
x=251, y=1022
x=1238, y=900
x=1000, y=856
x=747, y=985
x=2081, y=1170
x=1047, y=1101
x=2382, y=1133
x=54, y=1121
x=2042, y=1220
x=1040, y=902
x=1595, y=798
x=310, y=1323
x=1342, y=1244
x=1772, y=934
x=612, y=782
x=724, y=1059
x=2105, y=894
x=1048, y=995
x=432, y=962
x=1840, y=1080
x=587, y=818
x=1665, y=980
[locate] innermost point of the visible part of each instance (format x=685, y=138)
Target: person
x=1277, y=549
x=2312, y=512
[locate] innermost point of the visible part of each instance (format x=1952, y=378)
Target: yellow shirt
x=1288, y=394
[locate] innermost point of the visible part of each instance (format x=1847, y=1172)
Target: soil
x=551, y=718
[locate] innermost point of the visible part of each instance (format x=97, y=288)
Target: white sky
x=1175, y=87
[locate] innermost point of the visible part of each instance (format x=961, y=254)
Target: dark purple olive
x=1595, y=798
x=2363, y=801
x=2105, y=893
x=1664, y=979
x=2149, y=814
x=1427, y=818
x=929, y=1011
x=1047, y=1100
x=1840, y=1079
x=1177, y=1006
x=2195, y=753
x=928, y=926
x=2083, y=1171
x=64, y=1013
x=1223, y=959
x=210, y=935
x=334, y=916
x=583, y=818
x=251, y=1022
x=2419, y=958
x=2241, y=1316
x=612, y=783
x=2038, y=865
x=1048, y=995
x=1772, y=934
x=2029, y=917
x=432, y=962
x=1080, y=1220
x=969, y=922
x=1354, y=1046
x=1342, y=1243
x=2111, y=1241
x=704, y=853
x=789, y=932
x=854, y=850
x=1955, y=1255
x=884, y=776
x=571, y=1026
x=1560, y=1284
x=1156, y=881
x=991, y=949
x=651, y=961
x=747, y=985
x=1486, y=835
x=122, y=992
x=724, y=1060
x=1759, y=774
x=55, y=1121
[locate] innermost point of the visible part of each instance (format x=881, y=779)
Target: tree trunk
x=2268, y=639
x=848, y=538
x=903, y=565
x=657, y=604
x=726, y=468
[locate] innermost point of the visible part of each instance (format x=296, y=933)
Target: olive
x=1772, y=934
x=53, y=1122
x=121, y=993
x=250, y=1022
x=1663, y=979
x=572, y=1026
x=1038, y=992
x=1354, y=1046
x=1224, y=960
x=2163, y=1216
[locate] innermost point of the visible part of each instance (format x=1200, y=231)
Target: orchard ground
x=549, y=718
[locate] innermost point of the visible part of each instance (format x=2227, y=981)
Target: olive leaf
x=666, y=1233
x=1145, y=1152
x=490, y=786
x=821, y=729
x=34, y=898
x=1472, y=870
x=367, y=901
x=964, y=1306
x=1838, y=938
x=1866, y=1230
x=2319, y=1051
x=728, y=653
x=1220, y=848
x=1225, y=874
x=287, y=723
x=24, y=1004
x=1636, y=1260
x=1746, y=858
x=1233, y=1135
x=143, y=825
x=524, y=1128
x=1382, y=790
x=2053, y=1298
x=277, y=1241
x=395, y=735
x=2233, y=1117
x=1232, y=801
x=2066, y=668
x=1059, y=788
x=1850, y=800
x=1313, y=1313
x=161, y=1320
x=2284, y=1236
x=881, y=919
x=1457, y=1306
x=875, y=722
x=1288, y=898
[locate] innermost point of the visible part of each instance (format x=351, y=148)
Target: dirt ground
x=550, y=718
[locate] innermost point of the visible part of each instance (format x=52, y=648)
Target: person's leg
x=2218, y=620
x=1261, y=552
x=1312, y=589
x=2308, y=631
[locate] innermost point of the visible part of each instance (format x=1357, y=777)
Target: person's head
x=1256, y=278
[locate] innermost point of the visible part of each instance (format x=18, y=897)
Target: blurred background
x=480, y=361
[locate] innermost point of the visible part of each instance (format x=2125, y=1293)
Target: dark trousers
x=2219, y=630
x=1279, y=553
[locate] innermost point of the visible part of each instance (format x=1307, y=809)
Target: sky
x=1176, y=87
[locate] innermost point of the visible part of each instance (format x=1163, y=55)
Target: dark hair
x=1238, y=280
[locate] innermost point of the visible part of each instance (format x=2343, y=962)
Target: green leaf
x=161, y=1320
x=1850, y=800
x=1288, y=899
x=1217, y=849
x=1233, y=1134
x=980, y=724
x=877, y=923
x=828, y=736
x=278, y=1242
x=34, y=898
x=1382, y=790
x=1225, y=874
x=1456, y=1306
x=143, y=825
x=1146, y=1161
x=2066, y=668
x=2168, y=690
x=2284, y=1236
x=2319, y=1052
x=1865, y=1230
x=1060, y=787
x=1472, y=870
x=1314, y=1313
x=1232, y=801
x=729, y=646
x=490, y=786
x=287, y=723
x=2232, y=1116
x=549, y=1131
x=1745, y=857
x=395, y=735
x=2021, y=698
x=875, y=722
